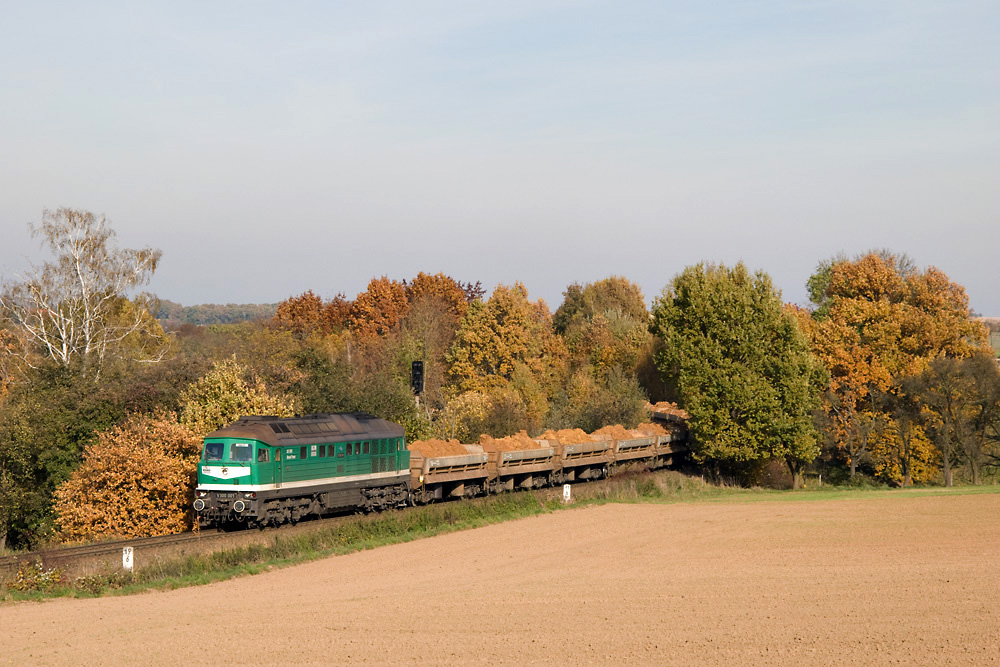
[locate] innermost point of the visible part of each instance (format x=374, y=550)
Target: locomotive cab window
x=213, y=451
x=262, y=455
x=240, y=451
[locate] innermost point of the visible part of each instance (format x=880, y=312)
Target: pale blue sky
x=270, y=148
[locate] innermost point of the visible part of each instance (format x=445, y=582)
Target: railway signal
x=417, y=377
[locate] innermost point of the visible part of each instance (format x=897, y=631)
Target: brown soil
x=519, y=441
x=569, y=436
x=668, y=408
x=434, y=447
x=617, y=432
x=649, y=428
x=890, y=580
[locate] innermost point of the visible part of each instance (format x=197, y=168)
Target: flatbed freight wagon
x=450, y=476
x=523, y=468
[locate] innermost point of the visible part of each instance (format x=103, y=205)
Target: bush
x=136, y=480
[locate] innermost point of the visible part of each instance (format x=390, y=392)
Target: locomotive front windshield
x=213, y=451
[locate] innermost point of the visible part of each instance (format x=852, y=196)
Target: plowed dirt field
x=888, y=580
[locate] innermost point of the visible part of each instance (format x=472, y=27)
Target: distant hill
x=173, y=314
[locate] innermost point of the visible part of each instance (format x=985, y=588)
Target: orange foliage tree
x=307, y=313
x=379, y=309
x=438, y=287
x=136, y=480
x=877, y=321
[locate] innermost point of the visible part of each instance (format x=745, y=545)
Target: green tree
x=961, y=409
x=590, y=404
x=741, y=366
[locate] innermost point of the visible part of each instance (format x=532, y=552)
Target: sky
x=269, y=148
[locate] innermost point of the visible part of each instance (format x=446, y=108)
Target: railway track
x=66, y=557
x=62, y=556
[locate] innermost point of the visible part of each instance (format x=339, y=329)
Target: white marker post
x=566, y=494
x=127, y=561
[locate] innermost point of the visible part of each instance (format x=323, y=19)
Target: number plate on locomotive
x=225, y=496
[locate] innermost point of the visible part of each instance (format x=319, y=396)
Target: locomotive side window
x=350, y=448
x=302, y=452
x=240, y=451
x=366, y=447
x=262, y=455
x=322, y=451
x=213, y=451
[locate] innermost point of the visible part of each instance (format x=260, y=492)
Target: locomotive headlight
x=250, y=495
x=199, y=505
x=239, y=506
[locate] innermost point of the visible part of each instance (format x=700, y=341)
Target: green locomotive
x=271, y=470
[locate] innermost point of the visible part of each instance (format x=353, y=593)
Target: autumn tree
x=308, y=313
x=438, y=287
x=605, y=325
x=136, y=480
x=507, y=342
x=82, y=308
x=379, y=309
x=878, y=320
x=741, y=366
x=437, y=305
x=497, y=336
x=225, y=394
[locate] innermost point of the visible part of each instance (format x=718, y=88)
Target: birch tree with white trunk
x=83, y=307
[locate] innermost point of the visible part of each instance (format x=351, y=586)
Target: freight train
x=264, y=470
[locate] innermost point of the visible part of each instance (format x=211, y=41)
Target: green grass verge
x=369, y=532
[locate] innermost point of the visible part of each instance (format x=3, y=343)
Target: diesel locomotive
x=268, y=470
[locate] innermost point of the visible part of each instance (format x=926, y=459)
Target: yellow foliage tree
x=903, y=454
x=224, y=395
x=136, y=480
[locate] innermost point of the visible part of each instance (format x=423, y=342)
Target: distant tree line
x=885, y=378
x=172, y=315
